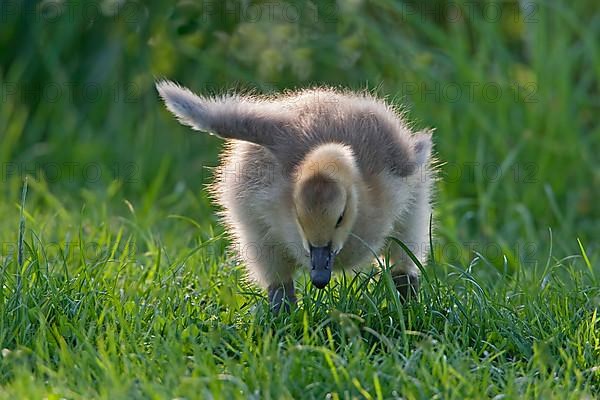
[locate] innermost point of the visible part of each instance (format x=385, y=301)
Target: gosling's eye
x=339, y=221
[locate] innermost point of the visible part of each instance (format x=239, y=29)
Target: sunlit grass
x=124, y=311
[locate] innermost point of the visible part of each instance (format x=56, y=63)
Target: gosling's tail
x=232, y=116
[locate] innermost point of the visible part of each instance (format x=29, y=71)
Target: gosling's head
x=326, y=205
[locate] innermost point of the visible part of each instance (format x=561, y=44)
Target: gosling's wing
x=422, y=147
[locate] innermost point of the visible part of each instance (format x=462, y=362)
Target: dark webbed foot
x=282, y=294
x=407, y=284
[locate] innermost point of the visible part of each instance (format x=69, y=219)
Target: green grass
x=125, y=288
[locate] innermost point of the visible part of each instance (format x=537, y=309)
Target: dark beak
x=321, y=260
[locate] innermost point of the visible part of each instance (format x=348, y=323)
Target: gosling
x=318, y=179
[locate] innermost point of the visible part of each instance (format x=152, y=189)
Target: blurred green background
x=512, y=89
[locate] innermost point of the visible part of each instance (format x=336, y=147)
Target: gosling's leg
x=282, y=295
x=413, y=231
x=407, y=283
x=272, y=268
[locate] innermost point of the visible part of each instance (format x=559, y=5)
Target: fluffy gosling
x=316, y=179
